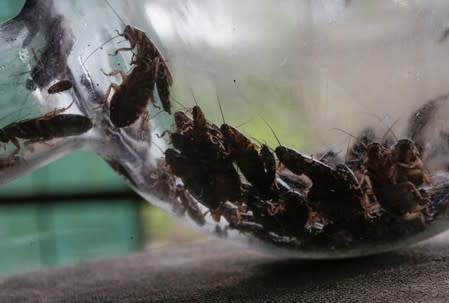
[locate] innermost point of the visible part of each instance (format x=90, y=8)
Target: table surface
x=217, y=271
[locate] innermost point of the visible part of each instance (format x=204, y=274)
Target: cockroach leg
x=28, y=144
x=145, y=123
x=105, y=101
x=116, y=72
x=56, y=112
x=16, y=151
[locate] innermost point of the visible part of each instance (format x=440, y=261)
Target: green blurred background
x=75, y=209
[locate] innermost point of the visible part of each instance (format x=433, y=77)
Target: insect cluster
x=379, y=191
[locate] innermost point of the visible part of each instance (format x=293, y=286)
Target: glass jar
x=314, y=129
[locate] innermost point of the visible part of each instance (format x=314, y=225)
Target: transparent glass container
x=326, y=136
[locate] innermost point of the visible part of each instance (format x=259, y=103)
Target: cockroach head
x=406, y=147
x=197, y=112
x=265, y=148
x=170, y=155
x=128, y=33
x=374, y=150
x=180, y=118
x=281, y=152
x=226, y=130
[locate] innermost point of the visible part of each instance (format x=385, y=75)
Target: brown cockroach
x=197, y=137
x=402, y=198
x=44, y=128
x=409, y=166
x=354, y=167
x=164, y=182
x=131, y=97
x=183, y=122
x=148, y=54
x=397, y=195
x=334, y=192
x=163, y=82
x=258, y=165
x=60, y=86
x=379, y=165
x=211, y=183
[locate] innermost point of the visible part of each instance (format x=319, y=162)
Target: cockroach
x=334, y=192
x=296, y=214
x=60, y=86
x=185, y=169
x=183, y=122
x=131, y=97
x=379, y=165
x=163, y=181
x=260, y=209
x=401, y=198
x=286, y=214
x=258, y=165
x=148, y=54
x=397, y=195
x=44, y=128
x=300, y=183
x=197, y=137
x=409, y=166
x=163, y=82
x=165, y=184
x=354, y=172
x=210, y=183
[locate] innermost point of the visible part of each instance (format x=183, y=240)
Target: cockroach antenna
x=260, y=142
x=179, y=103
x=109, y=40
x=221, y=109
x=193, y=95
x=158, y=147
x=343, y=131
x=243, y=123
x=96, y=49
x=381, y=120
x=156, y=114
x=349, y=134
x=272, y=131
x=115, y=12
x=390, y=130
